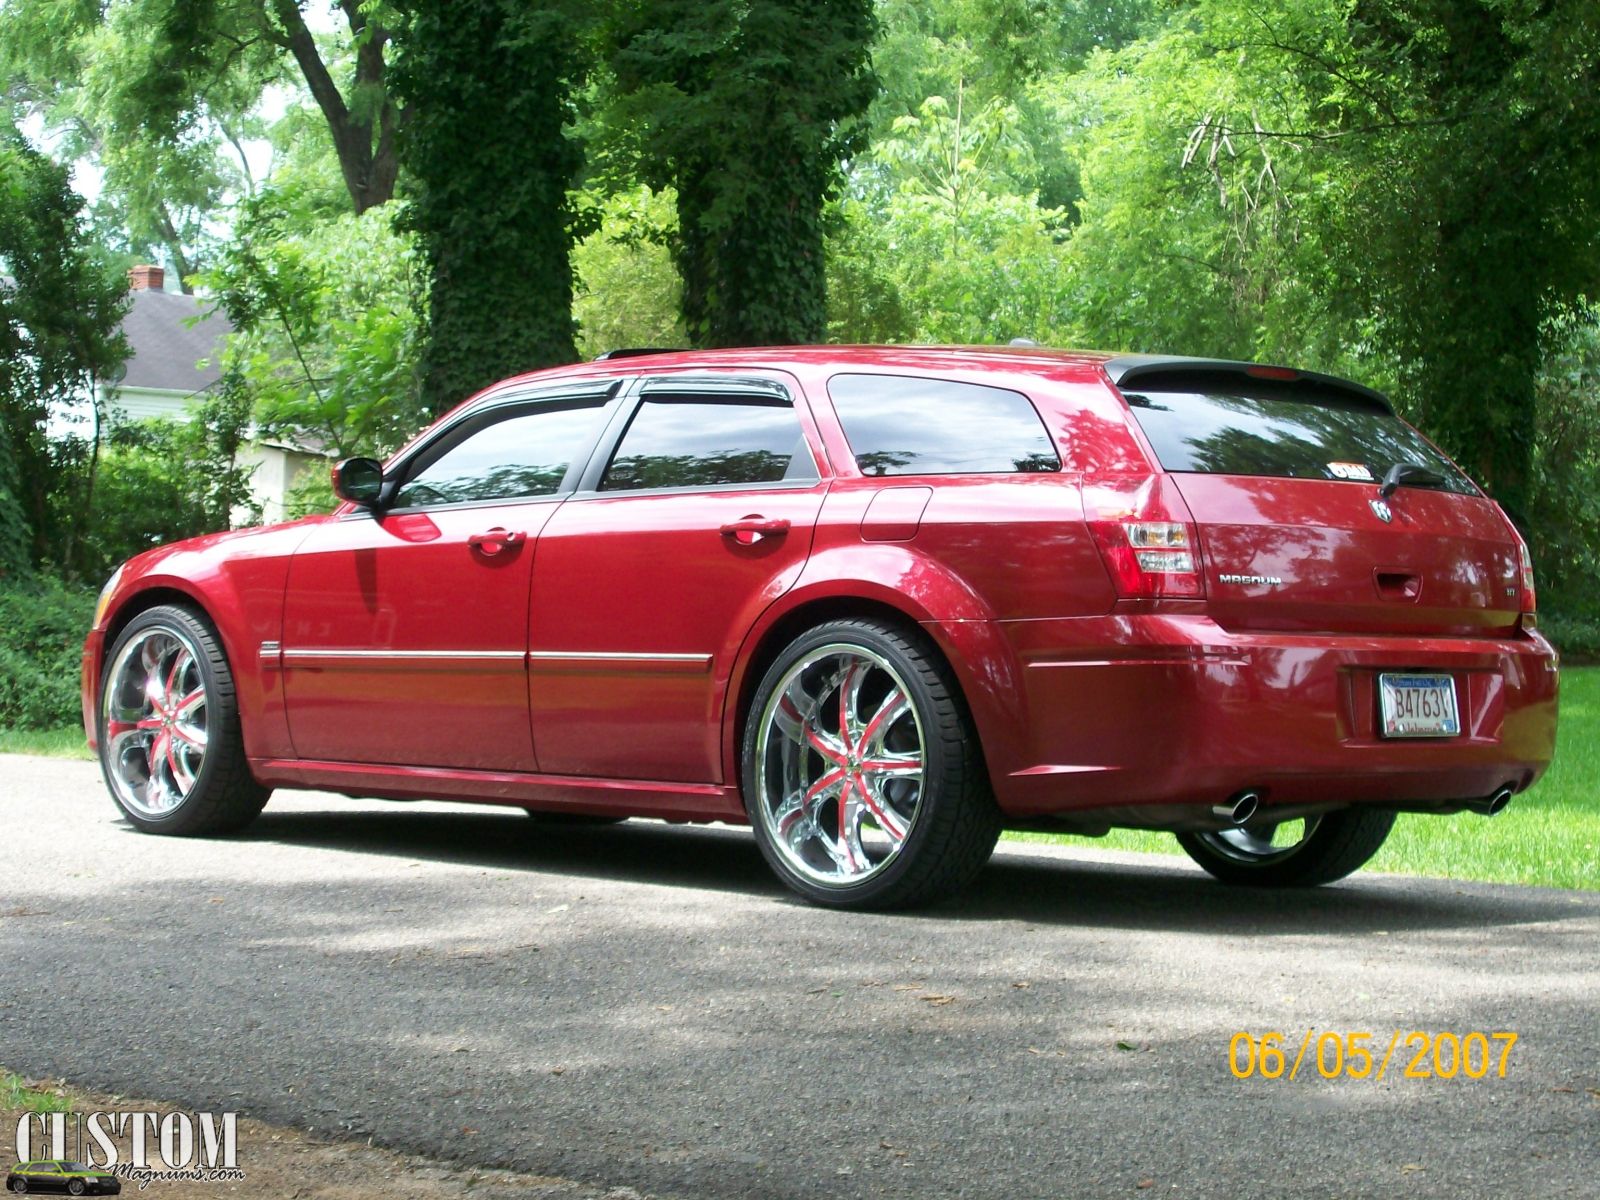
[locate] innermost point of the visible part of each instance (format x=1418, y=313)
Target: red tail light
x=1525, y=562
x=1146, y=536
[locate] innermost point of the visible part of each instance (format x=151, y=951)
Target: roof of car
x=1120, y=369
x=910, y=357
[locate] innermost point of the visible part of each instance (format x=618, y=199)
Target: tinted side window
x=897, y=425
x=705, y=442
x=514, y=457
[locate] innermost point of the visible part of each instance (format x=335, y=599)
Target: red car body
x=603, y=661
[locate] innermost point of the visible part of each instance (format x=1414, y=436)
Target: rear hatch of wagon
x=1282, y=471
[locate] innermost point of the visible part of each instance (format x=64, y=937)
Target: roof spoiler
x=1167, y=370
x=636, y=352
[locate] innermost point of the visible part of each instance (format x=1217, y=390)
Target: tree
x=326, y=326
x=1200, y=231
x=745, y=108
x=165, y=71
x=59, y=315
x=1474, y=203
x=961, y=250
x=70, y=67
x=628, y=291
x=494, y=215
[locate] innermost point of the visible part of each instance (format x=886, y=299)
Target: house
x=175, y=343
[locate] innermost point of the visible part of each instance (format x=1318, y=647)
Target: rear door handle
x=749, y=530
x=496, y=541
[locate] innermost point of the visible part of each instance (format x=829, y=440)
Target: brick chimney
x=145, y=278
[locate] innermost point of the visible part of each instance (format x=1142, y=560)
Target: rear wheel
x=170, y=743
x=1299, y=853
x=863, y=777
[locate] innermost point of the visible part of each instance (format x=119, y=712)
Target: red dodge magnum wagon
x=879, y=602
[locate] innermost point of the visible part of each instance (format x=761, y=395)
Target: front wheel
x=863, y=777
x=171, y=748
x=75, y=1187
x=1299, y=853
x=19, y=1186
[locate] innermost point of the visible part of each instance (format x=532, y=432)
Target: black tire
x=954, y=822
x=1335, y=845
x=75, y=1187
x=19, y=1186
x=224, y=796
x=547, y=816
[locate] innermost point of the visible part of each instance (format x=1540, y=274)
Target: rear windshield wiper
x=1403, y=473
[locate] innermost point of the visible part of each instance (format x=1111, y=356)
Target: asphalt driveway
x=643, y=1005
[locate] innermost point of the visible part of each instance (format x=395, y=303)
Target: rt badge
x=1381, y=510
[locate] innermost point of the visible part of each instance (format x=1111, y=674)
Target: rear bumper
x=1173, y=709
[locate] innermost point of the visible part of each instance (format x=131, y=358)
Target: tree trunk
x=369, y=167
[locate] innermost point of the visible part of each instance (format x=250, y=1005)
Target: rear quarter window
x=902, y=425
x=1297, y=433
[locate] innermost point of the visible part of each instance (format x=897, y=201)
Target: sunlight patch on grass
x=51, y=743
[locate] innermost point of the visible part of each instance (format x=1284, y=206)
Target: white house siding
x=277, y=471
x=141, y=404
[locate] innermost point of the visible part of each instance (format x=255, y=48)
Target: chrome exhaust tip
x=1496, y=803
x=1240, y=810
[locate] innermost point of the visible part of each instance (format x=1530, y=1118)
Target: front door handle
x=749, y=530
x=496, y=541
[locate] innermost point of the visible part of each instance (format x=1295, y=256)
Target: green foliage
x=42, y=625
x=491, y=160
x=961, y=256
x=1405, y=190
x=100, y=84
x=59, y=316
x=745, y=108
x=161, y=481
x=1563, y=516
x=326, y=327
x=628, y=290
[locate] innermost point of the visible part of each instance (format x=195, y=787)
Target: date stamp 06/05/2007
x=1362, y=1055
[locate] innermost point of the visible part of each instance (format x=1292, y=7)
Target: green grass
x=55, y=743
x=15, y=1094
x=1550, y=836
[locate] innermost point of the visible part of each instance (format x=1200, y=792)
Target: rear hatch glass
x=1300, y=434
x=1282, y=481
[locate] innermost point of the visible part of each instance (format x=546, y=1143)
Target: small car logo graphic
x=1381, y=509
x=71, y=1178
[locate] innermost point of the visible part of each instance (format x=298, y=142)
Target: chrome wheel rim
x=840, y=764
x=1259, y=844
x=156, y=717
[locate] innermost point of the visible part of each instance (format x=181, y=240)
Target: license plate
x=1417, y=706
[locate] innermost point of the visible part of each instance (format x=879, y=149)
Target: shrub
x=1577, y=638
x=42, y=626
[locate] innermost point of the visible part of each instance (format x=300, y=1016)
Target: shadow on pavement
x=1166, y=895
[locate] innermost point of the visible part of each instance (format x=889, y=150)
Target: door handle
x=749, y=530
x=496, y=541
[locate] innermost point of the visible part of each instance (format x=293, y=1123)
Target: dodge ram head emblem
x=1381, y=509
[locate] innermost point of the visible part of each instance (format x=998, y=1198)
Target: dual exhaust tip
x=1241, y=809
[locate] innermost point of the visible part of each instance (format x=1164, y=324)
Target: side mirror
x=359, y=480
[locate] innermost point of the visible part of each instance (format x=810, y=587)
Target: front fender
x=237, y=580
